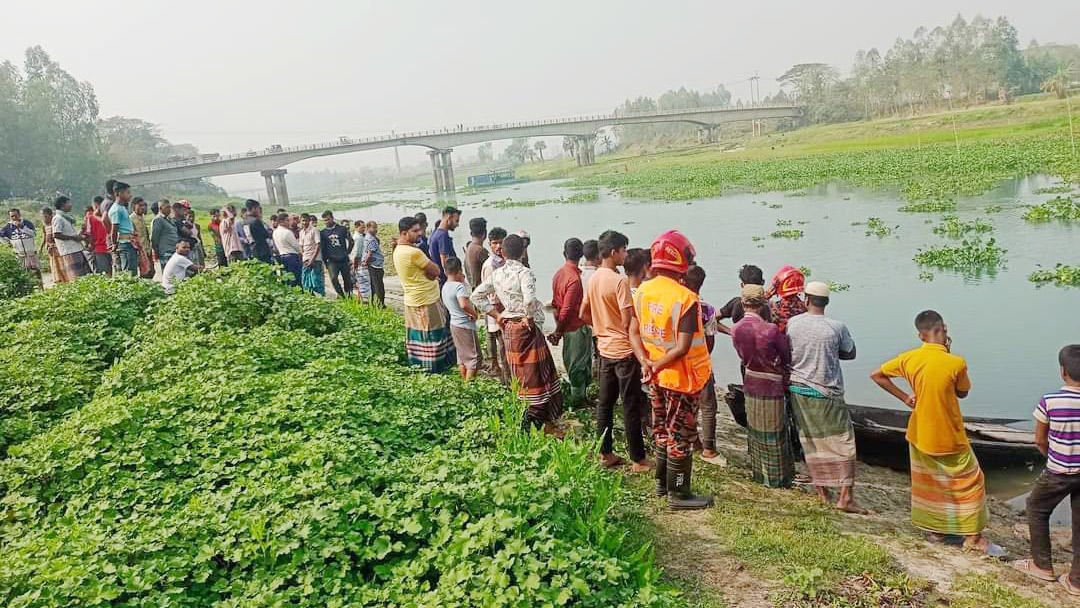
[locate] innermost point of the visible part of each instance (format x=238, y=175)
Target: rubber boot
x=661, y=473
x=680, y=498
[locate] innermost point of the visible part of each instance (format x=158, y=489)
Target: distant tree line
x=961, y=64
x=52, y=140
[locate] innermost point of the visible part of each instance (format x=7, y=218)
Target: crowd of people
x=116, y=236
x=633, y=318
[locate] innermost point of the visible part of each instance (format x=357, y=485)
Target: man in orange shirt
x=948, y=490
x=668, y=338
x=608, y=306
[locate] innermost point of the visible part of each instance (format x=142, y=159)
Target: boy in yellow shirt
x=948, y=489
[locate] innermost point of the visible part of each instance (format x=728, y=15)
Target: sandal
x=1069, y=588
x=1028, y=567
x=717, y=460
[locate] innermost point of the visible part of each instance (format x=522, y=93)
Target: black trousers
x=344, y=269
x=378, y=289
x=1050, y=489
x=621, y=378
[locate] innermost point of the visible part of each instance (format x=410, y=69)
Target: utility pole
x=755, y=98
x=397, y=159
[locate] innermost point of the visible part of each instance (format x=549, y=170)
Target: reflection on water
x=1009, y=330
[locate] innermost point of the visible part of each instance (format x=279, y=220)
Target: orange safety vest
x=659, y=304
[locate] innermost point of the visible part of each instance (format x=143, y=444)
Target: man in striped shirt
x=1057, y=433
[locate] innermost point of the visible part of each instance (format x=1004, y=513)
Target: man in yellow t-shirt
x=428, y=342
x=948, y=490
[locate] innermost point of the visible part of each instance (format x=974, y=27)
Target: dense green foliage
x=956, y=227
x=579, y=197
x=970, y=255
x=58, y=343
x=15, y=281
x=1058, y=208
x=1061, y=275
x=283, y=456
x=930, y=173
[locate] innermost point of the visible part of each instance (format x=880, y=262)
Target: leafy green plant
x=926, y=276
x=781, y=223
x=973, y=254
x=875, y=226
x=787, y=234
x=1061, y=275
x=992, y=209
x=929, y=206
x=955, y=227
x=269, y=460
x=1060, y=189
x=839, y=286
x=805, y=271
x=808, y=581
x=15, y=281
x=1058, y=208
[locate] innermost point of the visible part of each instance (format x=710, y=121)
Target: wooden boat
x=881, y=430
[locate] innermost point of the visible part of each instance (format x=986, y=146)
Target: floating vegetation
x=1060, y=275
x=775, y=206
x=876, y=227
x=838, y=286
x=926, y=276
x=804, y=270
x=956, y=227
x=973, y=254
x=798, y=193
x=783, y=222
x=931, y=206
x=1059, y=189
x=925, y=173
x=1061, y=208
x=803, y=222
x=993, y=208
x=757, y=238
x=580, y=197
x=787, y=234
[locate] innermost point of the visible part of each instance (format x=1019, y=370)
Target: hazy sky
x=232, y=76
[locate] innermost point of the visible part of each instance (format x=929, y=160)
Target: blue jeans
x=129, y=258
x=292, y=264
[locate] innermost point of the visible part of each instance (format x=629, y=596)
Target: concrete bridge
x=441, y=143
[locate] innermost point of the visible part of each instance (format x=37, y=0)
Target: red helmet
x=672, y=251
x=788, y=281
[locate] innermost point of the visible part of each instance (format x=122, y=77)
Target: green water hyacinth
x=955, y=227
x=969, y=255
x=788, y=234
x=932, y=206
x=1061, y=275
x=875, y=226
x=1061, y=208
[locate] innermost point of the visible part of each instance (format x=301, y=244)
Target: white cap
x=817, y=288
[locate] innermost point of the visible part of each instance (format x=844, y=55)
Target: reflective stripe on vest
x=659, y=304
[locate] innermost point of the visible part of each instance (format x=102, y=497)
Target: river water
x=1009, y=329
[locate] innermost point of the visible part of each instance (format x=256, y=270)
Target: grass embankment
x=254, y=446
x=918, y=155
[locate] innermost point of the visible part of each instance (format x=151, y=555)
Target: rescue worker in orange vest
x=668, y=338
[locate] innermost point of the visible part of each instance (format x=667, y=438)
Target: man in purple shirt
x=442, y=245
x=766, y=354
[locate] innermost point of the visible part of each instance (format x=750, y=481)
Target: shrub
x=15, y=281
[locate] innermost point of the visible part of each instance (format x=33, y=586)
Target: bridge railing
x=347, y=142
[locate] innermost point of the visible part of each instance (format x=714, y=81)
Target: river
x=1009, y=329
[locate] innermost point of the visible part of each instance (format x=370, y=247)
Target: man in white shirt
x=178, y=267
x=69, y=241
x=288, y=248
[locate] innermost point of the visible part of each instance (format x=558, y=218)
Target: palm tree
x=606, y=140
x=1058, y=84
x=540, y=146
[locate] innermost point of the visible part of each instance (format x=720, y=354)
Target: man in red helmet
x=788, y=284
x=668, y=339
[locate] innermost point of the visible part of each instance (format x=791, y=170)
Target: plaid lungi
x=29, y=260
x=74, y=265
x=534, y=370
x=771, y=461
x=427, y=338
x=827, y=437
x=948, y=493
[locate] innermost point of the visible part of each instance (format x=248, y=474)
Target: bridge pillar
x=442, y=169
x=280, y=190
x=271, y=196
x=584, y=150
